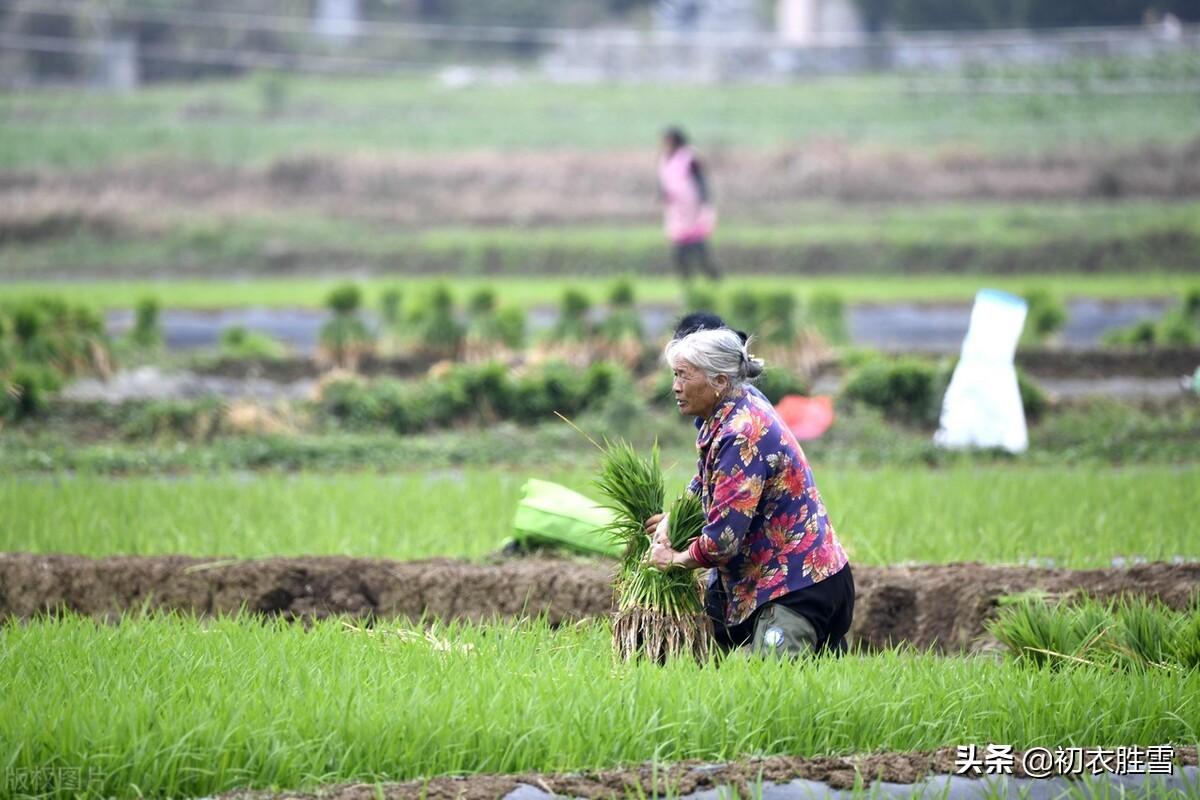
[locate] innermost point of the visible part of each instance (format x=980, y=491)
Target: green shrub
x=238, y=342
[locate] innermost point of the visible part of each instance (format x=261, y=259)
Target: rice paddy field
x=182, y=707
x=1082, y=517
x=327, y=611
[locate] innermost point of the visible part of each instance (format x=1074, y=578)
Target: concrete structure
x=811, y=22
x=338, y=21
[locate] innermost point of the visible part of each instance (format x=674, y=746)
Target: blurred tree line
x=925, y=15
x=199, y=31
x=268, y=26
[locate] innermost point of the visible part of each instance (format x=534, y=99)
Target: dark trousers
x=827, y=607
x=689, y=253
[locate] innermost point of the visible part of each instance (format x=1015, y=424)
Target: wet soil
x=681, y=778
x=940, y=606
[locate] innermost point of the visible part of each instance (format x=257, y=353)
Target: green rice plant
x=1038, y=632
x=345, y=337
x=146, y=331
x=573, y=324
x=746, y=311
x=1144, y=631
x=176, y=706
x=238, y=342
x=441, y=333
x=623, y=321
x=778, y=318
x=659, y=613
x=391, y=307
x=24, y=391
x=699, y=298
x=510, y=327
x=1045, y=316
x=827, y=313
x=634, y=487
x=1130, y=633
x=1186, y=646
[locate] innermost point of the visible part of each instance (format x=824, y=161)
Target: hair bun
x=754, y=367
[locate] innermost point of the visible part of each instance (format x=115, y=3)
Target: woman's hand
x=662, y=555
x=652, y=523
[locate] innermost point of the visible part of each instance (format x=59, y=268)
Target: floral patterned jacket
x=767, y=533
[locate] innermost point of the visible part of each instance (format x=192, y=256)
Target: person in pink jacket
x=688, y=215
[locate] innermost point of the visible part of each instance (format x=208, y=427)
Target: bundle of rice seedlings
x=659, y=614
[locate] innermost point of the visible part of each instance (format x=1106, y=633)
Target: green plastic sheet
x=551, y=515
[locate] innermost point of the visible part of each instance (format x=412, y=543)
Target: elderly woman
x=782, y=581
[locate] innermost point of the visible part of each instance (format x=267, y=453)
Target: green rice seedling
x=827, y=313
x=1144, y=631
x=441, y=332
x=1039, y=632
x=1132, y=633
x=174, y=706
x=1186, y=646
x=634, y=486
x=659, y=614
x=623, y=321
x=573, y=324
x=778, y=318
x=345, y=337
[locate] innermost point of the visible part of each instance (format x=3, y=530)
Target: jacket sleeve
x=693, y=488
x=737, y=489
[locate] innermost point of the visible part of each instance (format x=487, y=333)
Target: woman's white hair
x=715, y=352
